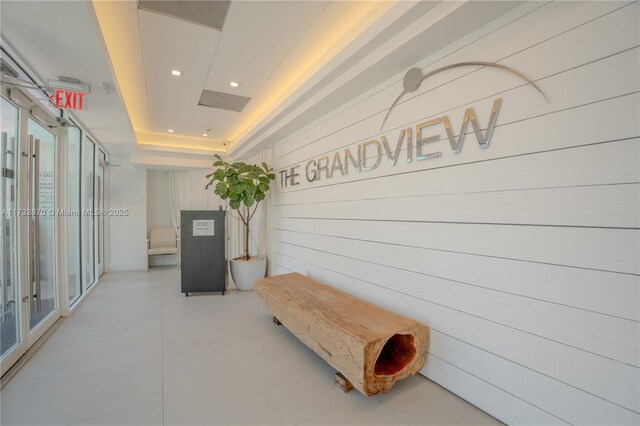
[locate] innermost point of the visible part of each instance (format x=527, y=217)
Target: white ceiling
x=61, y=38
x=259, y=43
x=169, y=43
x=248, y=50
x=253, y=43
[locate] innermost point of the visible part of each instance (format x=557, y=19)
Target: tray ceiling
x=261, y=42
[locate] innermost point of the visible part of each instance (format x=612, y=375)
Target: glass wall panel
x=73, y=215
x=42, y=227
x=88, y=220
x=9, y=315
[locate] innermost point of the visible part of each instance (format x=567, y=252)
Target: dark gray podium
x=203, y=251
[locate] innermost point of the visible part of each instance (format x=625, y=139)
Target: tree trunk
x=371, y=347
x=246, y=237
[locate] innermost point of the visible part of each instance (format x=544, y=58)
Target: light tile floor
x=137, y=352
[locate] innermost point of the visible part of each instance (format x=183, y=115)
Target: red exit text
x=68, y=99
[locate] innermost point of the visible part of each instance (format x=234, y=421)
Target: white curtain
x=186, y=192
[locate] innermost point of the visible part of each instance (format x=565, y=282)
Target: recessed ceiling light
x=170, y=130
x=205, y=135
x=176, y=72
x=234, y=84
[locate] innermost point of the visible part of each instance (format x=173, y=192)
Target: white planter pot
x=246, y=272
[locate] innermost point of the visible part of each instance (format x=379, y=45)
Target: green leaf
x=239, y=182
x=222, y=188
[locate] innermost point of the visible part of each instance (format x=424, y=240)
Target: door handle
x=29, y=221
x=36, y=221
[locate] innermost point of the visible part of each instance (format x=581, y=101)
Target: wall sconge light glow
x=205, y=135
x=170, y=130
x=176, y=72
x=234, y=84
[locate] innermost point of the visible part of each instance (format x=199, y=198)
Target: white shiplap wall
x=522, y=258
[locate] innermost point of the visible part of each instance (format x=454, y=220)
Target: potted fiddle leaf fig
x=244, y=186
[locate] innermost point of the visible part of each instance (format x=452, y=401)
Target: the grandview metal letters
x=368, y=155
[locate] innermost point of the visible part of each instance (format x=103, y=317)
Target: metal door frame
x=26, y=232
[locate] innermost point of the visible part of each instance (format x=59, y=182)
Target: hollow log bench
x=370, y=347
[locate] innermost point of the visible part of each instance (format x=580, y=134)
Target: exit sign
x=68, y=99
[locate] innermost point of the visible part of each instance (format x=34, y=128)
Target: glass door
x=11, y=343
x=41, y=224
x=74, y=278
x=88, y=218
x=28, y=296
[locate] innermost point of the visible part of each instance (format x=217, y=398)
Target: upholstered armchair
x=163, y=241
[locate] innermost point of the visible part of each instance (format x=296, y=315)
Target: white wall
x=128, y=234
x=158, y=209
x=523, y=257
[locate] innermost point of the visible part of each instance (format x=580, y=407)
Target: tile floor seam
x=232, y=342
x=86, y=308
x=111, y=413
x=101, y=370
x=335, y=409
x=193, y=351
x=391, y=409
x=44, y=350
x=109, y=339
x=104, y=308
x=235, y=380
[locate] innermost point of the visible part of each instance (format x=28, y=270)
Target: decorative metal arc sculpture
x=414, y=78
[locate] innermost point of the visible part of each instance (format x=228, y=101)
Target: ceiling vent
x=208, y=13
x=220, y=100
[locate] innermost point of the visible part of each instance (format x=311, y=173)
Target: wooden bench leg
x=343, y=383
x=276, y=321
